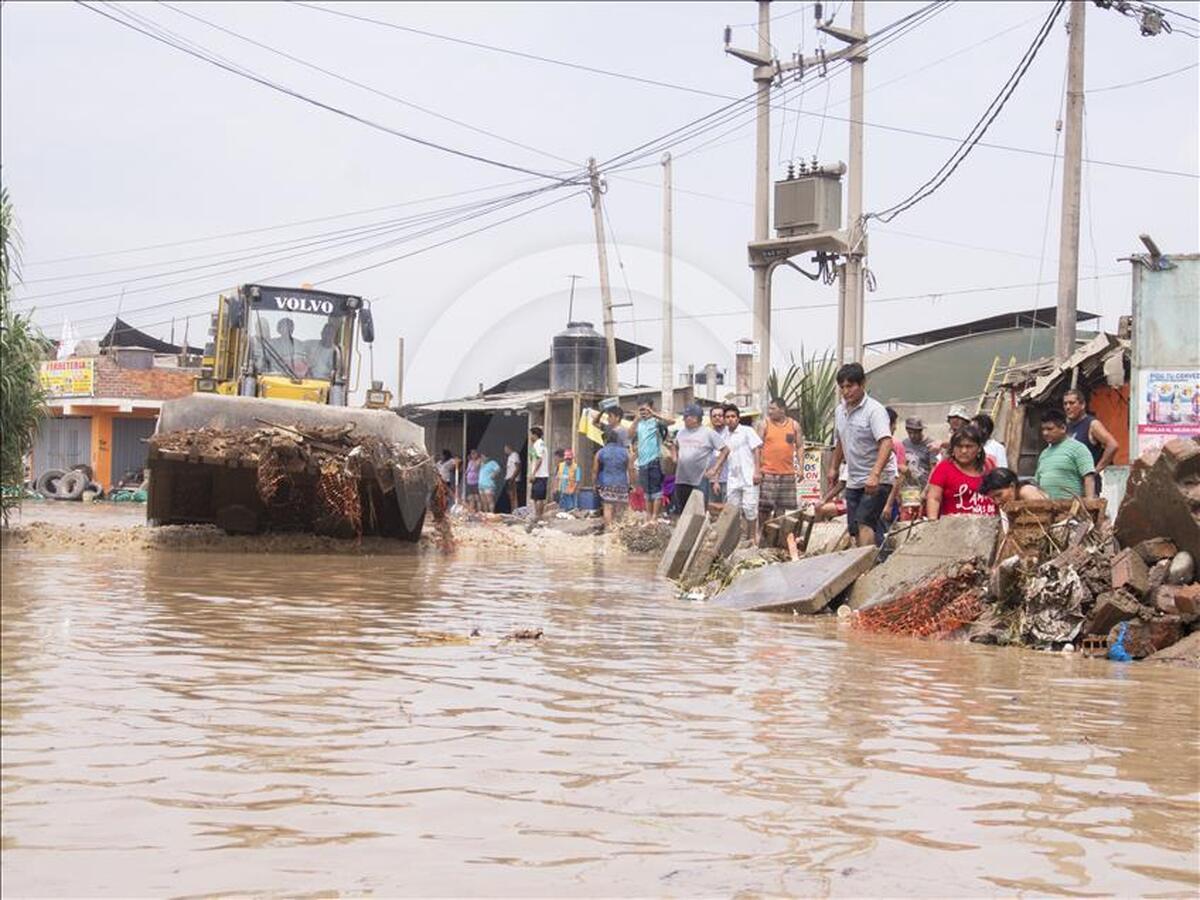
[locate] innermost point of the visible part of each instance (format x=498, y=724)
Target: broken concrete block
x=803, y=585
x=1158, y=573
x=1153, y=550
x=1129, y=572
x=1163, y=600
x=1111, y=609
x=927, y=546
x=1186, y=650
x=1163, y=490
x=1143, y=638
x=1185, y=598
x=1182, y=569
x=717, y=541
x=684, y=537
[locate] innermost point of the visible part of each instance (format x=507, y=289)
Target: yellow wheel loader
x=267, y=442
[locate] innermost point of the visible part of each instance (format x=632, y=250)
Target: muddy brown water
x=190, y=724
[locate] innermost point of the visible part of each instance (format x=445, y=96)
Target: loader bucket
x=248, y=464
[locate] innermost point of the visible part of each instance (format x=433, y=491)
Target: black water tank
x=578, y=359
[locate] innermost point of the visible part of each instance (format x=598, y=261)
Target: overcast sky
x=111, y=141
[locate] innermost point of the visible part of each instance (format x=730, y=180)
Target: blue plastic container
x=587, y=499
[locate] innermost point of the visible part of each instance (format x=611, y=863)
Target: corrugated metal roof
x=487, y=403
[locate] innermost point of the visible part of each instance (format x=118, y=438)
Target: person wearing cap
x=920, y=453
x=694, y=450
x=957, y=419
x=566, y=480
x=782, y=441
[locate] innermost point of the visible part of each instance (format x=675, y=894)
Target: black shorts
x=539, y=488
x=864, y=510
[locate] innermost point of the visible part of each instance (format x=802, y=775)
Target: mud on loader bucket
x=248, y=465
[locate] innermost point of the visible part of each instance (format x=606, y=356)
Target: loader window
x=296, y=345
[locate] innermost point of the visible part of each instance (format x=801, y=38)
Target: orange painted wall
x=102, y=446
x=1111, y=406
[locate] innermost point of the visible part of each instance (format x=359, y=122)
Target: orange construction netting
x=936, y=608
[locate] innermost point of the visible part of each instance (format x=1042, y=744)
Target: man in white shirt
x=512, y=473
x=743, y=450
x=539, y=470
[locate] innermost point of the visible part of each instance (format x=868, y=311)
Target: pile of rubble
x=1050, y=575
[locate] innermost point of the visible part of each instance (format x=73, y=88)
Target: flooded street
x=207, y=723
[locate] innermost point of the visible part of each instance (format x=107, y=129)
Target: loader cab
x=286, y=344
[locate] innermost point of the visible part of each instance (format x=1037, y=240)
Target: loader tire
x=47, y=483
x=71, y=486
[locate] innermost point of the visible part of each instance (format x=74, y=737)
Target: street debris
x=1051, y=575
x=644, y=537
x=330, y=480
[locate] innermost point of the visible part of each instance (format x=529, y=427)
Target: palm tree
x=22, y=401
x=808, y=388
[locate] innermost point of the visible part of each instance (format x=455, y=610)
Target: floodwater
x=186, y=724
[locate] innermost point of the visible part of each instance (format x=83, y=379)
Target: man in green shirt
x=1065, y=468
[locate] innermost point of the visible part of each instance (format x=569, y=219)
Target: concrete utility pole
x=668, y=313
x=850, y=309
x=400, y=372
x=766, y=252
x=1068, y=246
x=763, y=76
x=605, y=291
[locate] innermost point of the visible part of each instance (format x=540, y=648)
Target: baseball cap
x=958, y=412
x=693, y=409
x=914, y=423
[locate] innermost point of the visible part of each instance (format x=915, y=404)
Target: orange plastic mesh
x=936, y=608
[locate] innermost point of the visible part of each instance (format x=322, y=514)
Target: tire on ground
x=71, y=486
x=47, y=483
x=86, y=469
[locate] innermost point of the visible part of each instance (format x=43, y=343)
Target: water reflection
x=188, y=724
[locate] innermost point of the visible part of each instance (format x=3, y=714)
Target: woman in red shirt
x=955, y=485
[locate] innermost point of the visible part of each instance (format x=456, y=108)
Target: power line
x=366, y=87
x=245, y=231
x=928, y=295
x=978, y=130
x=243, y=72
x=335, y=238
x=479, y=45
x=1116, y=87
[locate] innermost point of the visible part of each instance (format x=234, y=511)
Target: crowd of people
x=654, y=466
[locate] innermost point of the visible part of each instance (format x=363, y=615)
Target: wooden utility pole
x=605, y=291
x=668, y=313
x=1068, y=246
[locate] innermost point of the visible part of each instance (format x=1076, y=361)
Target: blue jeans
x=567, y=502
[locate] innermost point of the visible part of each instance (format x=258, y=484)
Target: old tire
x=71, y=486
x=47, y=483
x=85, y=469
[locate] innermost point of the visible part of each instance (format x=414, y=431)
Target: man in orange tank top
x=781, y=460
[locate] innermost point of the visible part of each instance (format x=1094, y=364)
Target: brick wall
x=141, y=384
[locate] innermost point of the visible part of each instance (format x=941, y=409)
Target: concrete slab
x=684, y=537
x=805, y=585
x=927, y=546
x=716, y=541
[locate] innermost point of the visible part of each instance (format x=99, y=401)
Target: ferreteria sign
x=68, y=378
x=297, y=300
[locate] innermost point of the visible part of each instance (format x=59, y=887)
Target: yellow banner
x=69, y=378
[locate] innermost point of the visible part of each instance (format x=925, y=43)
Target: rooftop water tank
x=578, y=360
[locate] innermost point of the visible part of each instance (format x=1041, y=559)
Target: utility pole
x=571, y=300
x=850, y=310
x=400, y=373
x=1068, y=246
x=763, y=76
x=668, y=313
x=605, y=291
x=765, y=252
